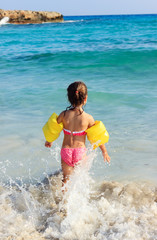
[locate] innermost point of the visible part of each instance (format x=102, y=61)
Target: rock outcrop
x=25, y=16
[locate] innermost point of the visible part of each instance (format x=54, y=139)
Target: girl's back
x=75, y=122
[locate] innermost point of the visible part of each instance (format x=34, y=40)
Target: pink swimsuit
x=72, y=156
x=68, y=132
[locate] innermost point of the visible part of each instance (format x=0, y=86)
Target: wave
x=4, y=20
x=72, y=21
x=87, y=210
x=108, y=57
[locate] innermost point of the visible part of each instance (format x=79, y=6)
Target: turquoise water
x=116, y=56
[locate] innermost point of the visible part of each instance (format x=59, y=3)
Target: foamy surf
x=72, y=21
x=87, y=210
x=4, y=20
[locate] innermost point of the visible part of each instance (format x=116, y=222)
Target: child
x=76, y=124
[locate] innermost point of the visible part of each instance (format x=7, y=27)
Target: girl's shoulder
x=90, y=119
x=63, y=115
x=87, y=117
x=60, y=117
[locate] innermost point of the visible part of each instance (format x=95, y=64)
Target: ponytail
x=77, y=93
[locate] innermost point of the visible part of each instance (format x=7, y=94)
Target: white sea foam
x=87, y=210
x=72, y=21
x=4, y=20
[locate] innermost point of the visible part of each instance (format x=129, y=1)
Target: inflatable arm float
x=97, y=134
x=52, y=129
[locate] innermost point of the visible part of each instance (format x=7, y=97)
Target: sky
x=84, y=7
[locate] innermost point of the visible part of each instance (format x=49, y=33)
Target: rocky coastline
x=27, y=16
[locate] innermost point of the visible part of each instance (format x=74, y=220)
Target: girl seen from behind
x=76, y=124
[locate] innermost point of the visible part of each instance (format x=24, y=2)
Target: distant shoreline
x=28, y=16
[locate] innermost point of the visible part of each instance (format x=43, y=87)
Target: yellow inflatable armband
x=97, y=134
x=52, y=129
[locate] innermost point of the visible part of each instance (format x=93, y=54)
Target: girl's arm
x=91, y=121
x=105, y=153
x=48, y=144
x=59, y=120
x=60, y=117
x=102, y=147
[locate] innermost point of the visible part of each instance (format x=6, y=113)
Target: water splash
x=4, y=20
x=87, y=209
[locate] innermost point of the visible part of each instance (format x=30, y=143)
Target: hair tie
x=76, y=92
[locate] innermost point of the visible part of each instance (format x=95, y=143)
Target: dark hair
x=77, y=92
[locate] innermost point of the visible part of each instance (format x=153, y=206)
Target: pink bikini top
x=68, y=132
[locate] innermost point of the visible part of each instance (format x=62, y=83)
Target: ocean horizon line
x=129, y=14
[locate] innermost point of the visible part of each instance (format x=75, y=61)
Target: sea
x=116, y=57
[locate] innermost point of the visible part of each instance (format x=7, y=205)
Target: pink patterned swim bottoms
x=72, y=156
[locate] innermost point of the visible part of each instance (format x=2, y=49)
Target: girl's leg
x=67, y=171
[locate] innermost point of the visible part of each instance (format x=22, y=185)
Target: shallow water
x=116, y=56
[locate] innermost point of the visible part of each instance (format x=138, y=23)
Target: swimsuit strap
x=68, y=132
